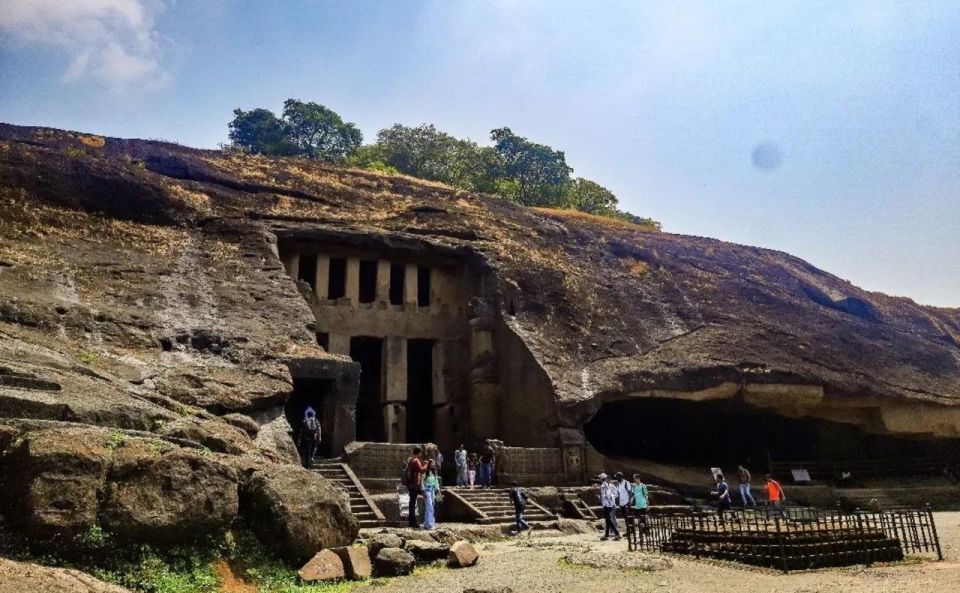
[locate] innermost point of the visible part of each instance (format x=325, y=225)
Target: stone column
x=484, y=374
x=292, y=265
x=323, y=277
x=383, y=281
x=353, y=281
x=395, y=389
x=410, y=287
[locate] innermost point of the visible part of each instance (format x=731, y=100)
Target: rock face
x=297, y=510
x=426, y=551
x=393, y=562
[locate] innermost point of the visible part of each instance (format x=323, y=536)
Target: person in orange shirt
x=775, y=494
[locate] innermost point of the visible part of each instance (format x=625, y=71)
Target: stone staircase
x=493, y=505
x=361, y=505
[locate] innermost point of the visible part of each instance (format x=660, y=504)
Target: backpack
x=407, y=477
x=310, y=428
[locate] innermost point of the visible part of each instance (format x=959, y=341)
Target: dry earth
x=536, y=564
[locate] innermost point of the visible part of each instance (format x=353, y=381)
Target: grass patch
x=597, y=220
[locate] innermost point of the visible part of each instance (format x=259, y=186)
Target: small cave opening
x=337, y=281
x=398, y=275
x=725, y=433
x=368, y=353
x=317, y=394
x=419, y=391
x=307, y=269
x=368, y=281
x=423, y=287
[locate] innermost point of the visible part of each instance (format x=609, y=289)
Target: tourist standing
x=775, y=494
x=640, y=495
x=519, y=498
x=623, y=493
x=431, y=490
x=460, y=460
x=413, y=478
x=608, y=499
x=309, y=437
x=472, y=464
x=743, y=477
x=439, y=459
x=722, y=493
x=486, y=467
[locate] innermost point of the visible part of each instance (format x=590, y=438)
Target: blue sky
x=665, y=103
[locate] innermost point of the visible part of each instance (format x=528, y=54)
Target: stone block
x=427, y=551
x=381, y=541
x=393, y=562
x=356, y=561
x=462, y=554
x=325, y=566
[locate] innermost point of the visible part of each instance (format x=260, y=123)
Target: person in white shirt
x=609, y=497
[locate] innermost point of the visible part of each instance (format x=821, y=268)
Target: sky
x=829, y=130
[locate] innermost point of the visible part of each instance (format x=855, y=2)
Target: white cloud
x=108, y=41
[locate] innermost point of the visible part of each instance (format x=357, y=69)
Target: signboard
x=800, y=475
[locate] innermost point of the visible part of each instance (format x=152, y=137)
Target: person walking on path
x=431, y=491
x=413, y=478
x=608, y=499
x=309, y=437
x=743, y=477
x=623, y=493
x=460, y=460
x=519, y=498
x=640, y=499
x=722, y=493
x=775, y=495
x=472, y=464
x=486, y=467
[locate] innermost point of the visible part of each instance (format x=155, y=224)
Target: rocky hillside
x=141, y=294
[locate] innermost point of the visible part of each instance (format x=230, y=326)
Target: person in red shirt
x=775, y=493
x=413, y=475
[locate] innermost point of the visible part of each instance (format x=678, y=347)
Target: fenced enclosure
x=794, y=539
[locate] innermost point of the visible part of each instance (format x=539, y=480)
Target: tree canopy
x=305, y=129
x=533, y=174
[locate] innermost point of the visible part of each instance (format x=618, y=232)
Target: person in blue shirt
x=722, y=493
x=640, y=499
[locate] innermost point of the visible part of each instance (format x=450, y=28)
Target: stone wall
x=528, y=466
x=379, y=466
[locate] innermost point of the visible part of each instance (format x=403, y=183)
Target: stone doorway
x=318, y=394
x=368, y=352
x=420, y=391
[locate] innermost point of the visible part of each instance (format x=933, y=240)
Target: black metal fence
x=792, y=539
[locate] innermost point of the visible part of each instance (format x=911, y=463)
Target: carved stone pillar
x=484, y=374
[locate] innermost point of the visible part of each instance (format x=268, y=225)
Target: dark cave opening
x=368, y=352
x=368, y=281
x=725, y=433
x=419, y=391
x=315, y=393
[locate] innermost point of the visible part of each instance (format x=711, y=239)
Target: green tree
x=259, y=131
x=318, y=132
x=533, y=174
x=589, y=196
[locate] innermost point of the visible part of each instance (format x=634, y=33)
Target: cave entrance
x=419, y=391
x=368, y=352
x=725, y=433
x=317, y=394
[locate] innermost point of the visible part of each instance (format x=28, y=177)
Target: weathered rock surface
x=462, y=554
x=426, y=551
x=297, y=511
x=21, y=577
x=356, y=561
x=393, y=562
x=383, y=540
x=326, y=565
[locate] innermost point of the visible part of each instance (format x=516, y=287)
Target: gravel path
x=538, y=564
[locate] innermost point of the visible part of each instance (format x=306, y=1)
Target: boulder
x=22, y=577
x=274, y=440
x=356, y=561
x=243, y=422
x=296, y=512
x=426, y=551
x=169, y=498
x=326, y=565
x=7, y=434
x=383, y=540
x=462, y=554
x=393, y=562
x=213, y=434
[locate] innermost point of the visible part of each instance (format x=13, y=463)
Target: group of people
x=473, y=469
x=774, y=491
x=630, y=498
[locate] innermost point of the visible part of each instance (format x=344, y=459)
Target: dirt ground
x=534, y=563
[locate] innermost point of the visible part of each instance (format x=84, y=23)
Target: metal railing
x=792, y=539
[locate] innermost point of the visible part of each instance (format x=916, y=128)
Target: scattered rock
x=356, y=561
x=490, y=590
x=326, y=565
x=383, y=540
x=393, y=562
x=296, y=511
x=462, y=554
x=426, y=551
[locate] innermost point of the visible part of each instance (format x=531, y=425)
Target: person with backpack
x=608, y=499
x=640, y=497
x=519, y=498
x=431, y=492
x=623, y=493
x=413, y=479
x=472, y=464
x=722, y=492
x=309, y=437
x=775, y=495
x=743, y=477
x=460, y=460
